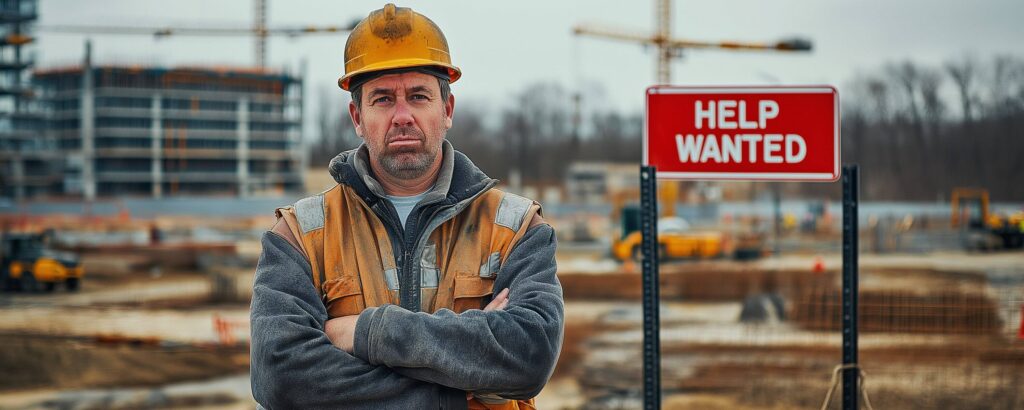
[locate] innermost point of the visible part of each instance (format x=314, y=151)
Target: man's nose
x=403, y=114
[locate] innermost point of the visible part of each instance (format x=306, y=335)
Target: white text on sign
x=724, y=148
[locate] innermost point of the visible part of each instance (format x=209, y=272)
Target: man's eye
x=419, y=97
x=382, y=100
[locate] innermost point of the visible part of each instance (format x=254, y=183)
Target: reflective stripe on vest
x=310, y=213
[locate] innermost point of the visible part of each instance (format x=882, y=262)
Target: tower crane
x=670, y=48
x=259, y=30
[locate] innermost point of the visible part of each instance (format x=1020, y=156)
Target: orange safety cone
x=218, y=327
x=223, y=329
x=819, y=265
x=629, y=266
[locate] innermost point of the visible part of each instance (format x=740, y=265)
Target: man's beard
x=407, y=162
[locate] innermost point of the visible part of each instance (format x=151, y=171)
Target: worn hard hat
x=396, y=38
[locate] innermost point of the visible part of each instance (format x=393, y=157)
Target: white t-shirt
x=405, y=204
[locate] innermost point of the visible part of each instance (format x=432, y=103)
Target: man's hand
x=342, y=332
x=499, y=302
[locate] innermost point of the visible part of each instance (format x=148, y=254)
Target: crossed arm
x=393, y=357
x=342, y=330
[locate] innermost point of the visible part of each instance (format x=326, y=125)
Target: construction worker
x=413, y=283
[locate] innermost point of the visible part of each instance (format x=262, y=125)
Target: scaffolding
x=152, y=131
x=26, y=159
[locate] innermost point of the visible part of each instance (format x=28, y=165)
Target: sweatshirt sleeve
x=294, y=364
x=511, y=352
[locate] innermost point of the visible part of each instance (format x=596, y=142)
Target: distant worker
x=413, y=283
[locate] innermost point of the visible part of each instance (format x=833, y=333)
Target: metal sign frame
x=850, y=176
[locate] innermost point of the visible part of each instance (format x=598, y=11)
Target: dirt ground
x=125, y=340
x=712, y=360
x=150, y=338
x=48, y=361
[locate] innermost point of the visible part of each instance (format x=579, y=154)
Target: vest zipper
x=409, y=296
x=408, y=282
x=433, y=223
x=401, y=253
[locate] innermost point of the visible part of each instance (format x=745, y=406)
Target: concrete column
x=299, y=150
x=155, y=131
x=87, y=126
x=243, y=147
x=18, y=177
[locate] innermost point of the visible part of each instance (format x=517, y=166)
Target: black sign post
x=649, y=247
x=851, y=371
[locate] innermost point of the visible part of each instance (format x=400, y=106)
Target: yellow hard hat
x=395, y=38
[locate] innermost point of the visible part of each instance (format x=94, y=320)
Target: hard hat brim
x=453, y=72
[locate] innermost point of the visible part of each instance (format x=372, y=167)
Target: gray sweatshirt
x=405, y=359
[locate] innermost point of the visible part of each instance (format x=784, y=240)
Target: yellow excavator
x=675, y=238
x=28, y=264
x=985, y=230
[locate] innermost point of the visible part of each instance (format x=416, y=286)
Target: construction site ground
x=155, y=337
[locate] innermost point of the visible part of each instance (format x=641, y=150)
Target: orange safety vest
x=354, y=265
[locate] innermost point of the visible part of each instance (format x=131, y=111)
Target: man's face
x=403, y=121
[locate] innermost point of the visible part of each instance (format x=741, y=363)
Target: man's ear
x=357, y=121
x=449, y=110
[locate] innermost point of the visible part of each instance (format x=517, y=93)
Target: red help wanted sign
x=743, y=133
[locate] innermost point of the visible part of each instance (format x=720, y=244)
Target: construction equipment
x=27, y=263
x=817, y=220
x=675, y=240
x=984, y=230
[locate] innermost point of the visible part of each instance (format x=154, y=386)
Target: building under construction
x=148, y=131
x=27, y=161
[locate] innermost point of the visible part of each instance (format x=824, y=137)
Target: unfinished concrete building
x=147, y=131
x=28, y=161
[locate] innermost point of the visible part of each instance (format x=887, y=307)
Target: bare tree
x=911, y=148
x=334, y=126
x=963, y=72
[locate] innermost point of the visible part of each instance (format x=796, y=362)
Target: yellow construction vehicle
x=28, y=264
x=675, y=238
x=985, y=230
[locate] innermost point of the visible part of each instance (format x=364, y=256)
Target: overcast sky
x=503, y=45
